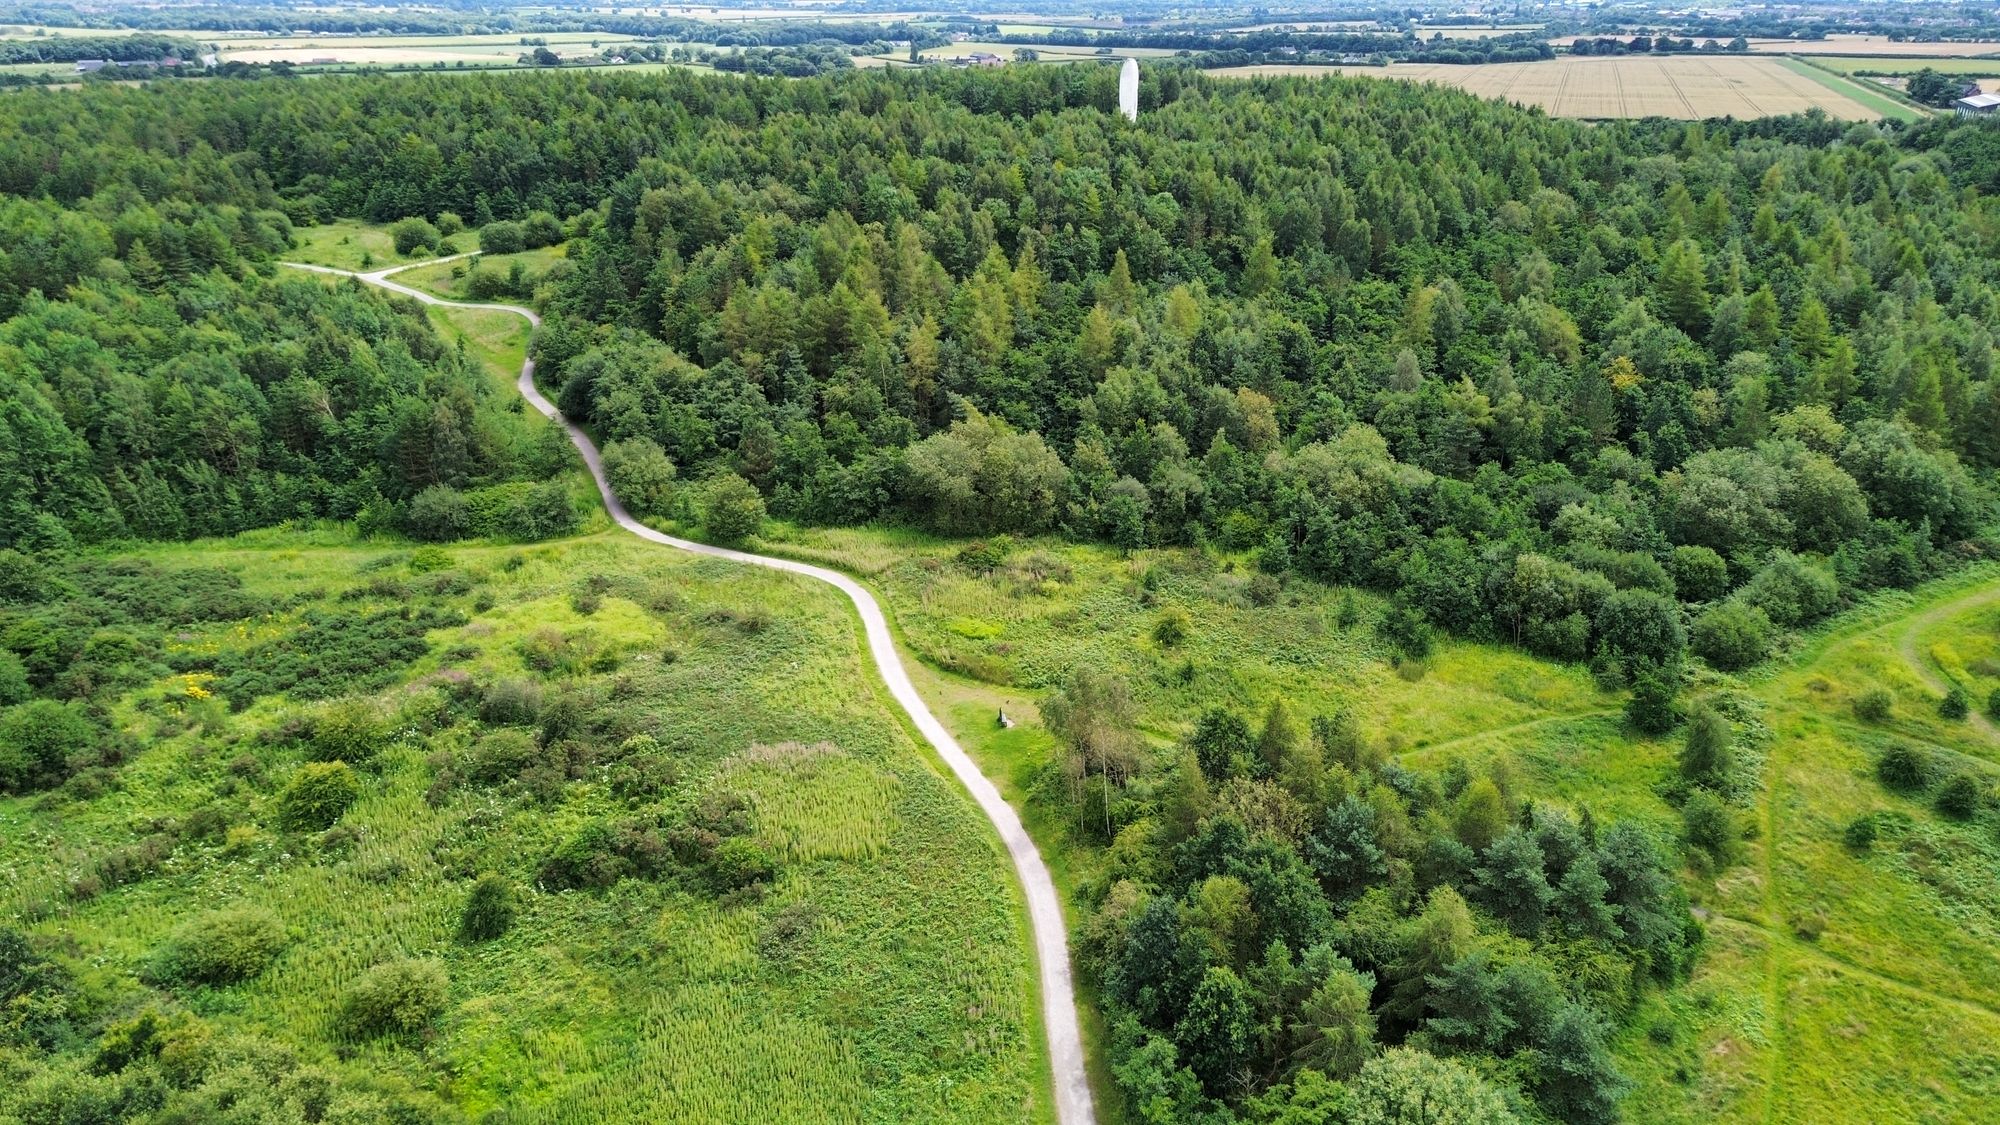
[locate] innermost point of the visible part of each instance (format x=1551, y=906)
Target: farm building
x=87, y=66
x=1976, y=105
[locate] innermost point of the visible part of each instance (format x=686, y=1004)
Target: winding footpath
x=1059, y=1020
x=1926, y=666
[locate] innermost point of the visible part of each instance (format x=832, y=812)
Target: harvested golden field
x=1871, y=45
x=1685, y=87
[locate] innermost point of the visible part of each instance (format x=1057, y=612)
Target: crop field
x=1872, y=45
x=1829, y=974
x=1984, y=67
x=1048, y=53
x=1688, y=88
x=404, y=50
x=1478, y=32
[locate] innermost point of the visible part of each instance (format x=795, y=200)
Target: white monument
x=1128, y=89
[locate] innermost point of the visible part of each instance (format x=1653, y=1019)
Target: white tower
x=1128, y=89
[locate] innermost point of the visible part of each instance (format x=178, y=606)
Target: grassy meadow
x=1831, y=977
x=882, y=972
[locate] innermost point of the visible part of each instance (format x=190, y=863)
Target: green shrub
x=352, y=730
x=641, y=475
x=316, y=796
x=1993, y=705
x=222, y=947
x=1960, y=797
x=395, y=998
x=1874, y=705
x=502, y=238
x=1860, y=833
x=1709, y=827
x=1406, y=630
x=1792, y=591
x=14, y=686
x=1903, y=767
x=37, y=741
x=1651, y=709
x=1699, y=573
x=541, y=229
x=1955, y=706
x=489, y=909
x=984, y=556
x=413, y=234
x=511, y=702
x=1732, y=635
x=1639, y=625
x=438, y=514
x=1172, y=628
x=424, y=560
x=732, y=509
x=1706, y=757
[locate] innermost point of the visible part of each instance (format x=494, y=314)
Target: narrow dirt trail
x=1059, y=1019
x=1910, y=646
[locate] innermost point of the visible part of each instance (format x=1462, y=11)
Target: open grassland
x=1867, y=93
x=881, y=974
x=1852, y=975
x=347, y=244
x=448, y=279
x=1833, y=977
x=1684, y=87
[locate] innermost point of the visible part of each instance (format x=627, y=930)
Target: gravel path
x=1072, y=1085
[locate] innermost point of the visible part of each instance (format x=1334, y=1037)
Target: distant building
x=88, y=66
x=981, y=58
x=170, y=60
x=1976, y=105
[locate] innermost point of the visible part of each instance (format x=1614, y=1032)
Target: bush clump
x=502, y=237
x=353, y=730
x=318, y=794
x=223, y=947
x=37, y=741
x=489, y=909
x=1960, y=797
x=1860, y=833
x=1903, y=767
x=1955, y=706
x=732, y=509
x=1651, y=709
x=1732, y=635
x=1874, y=705
x=395, y=998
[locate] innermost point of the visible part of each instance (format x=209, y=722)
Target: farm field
x=404, y=50
x=1048, y=53
x=1828, y=974
x=1855, y=65
x=1688, y=88
x=1478, y=32
x=1871, y=45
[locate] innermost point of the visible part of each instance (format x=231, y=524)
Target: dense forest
x=1614, y=393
